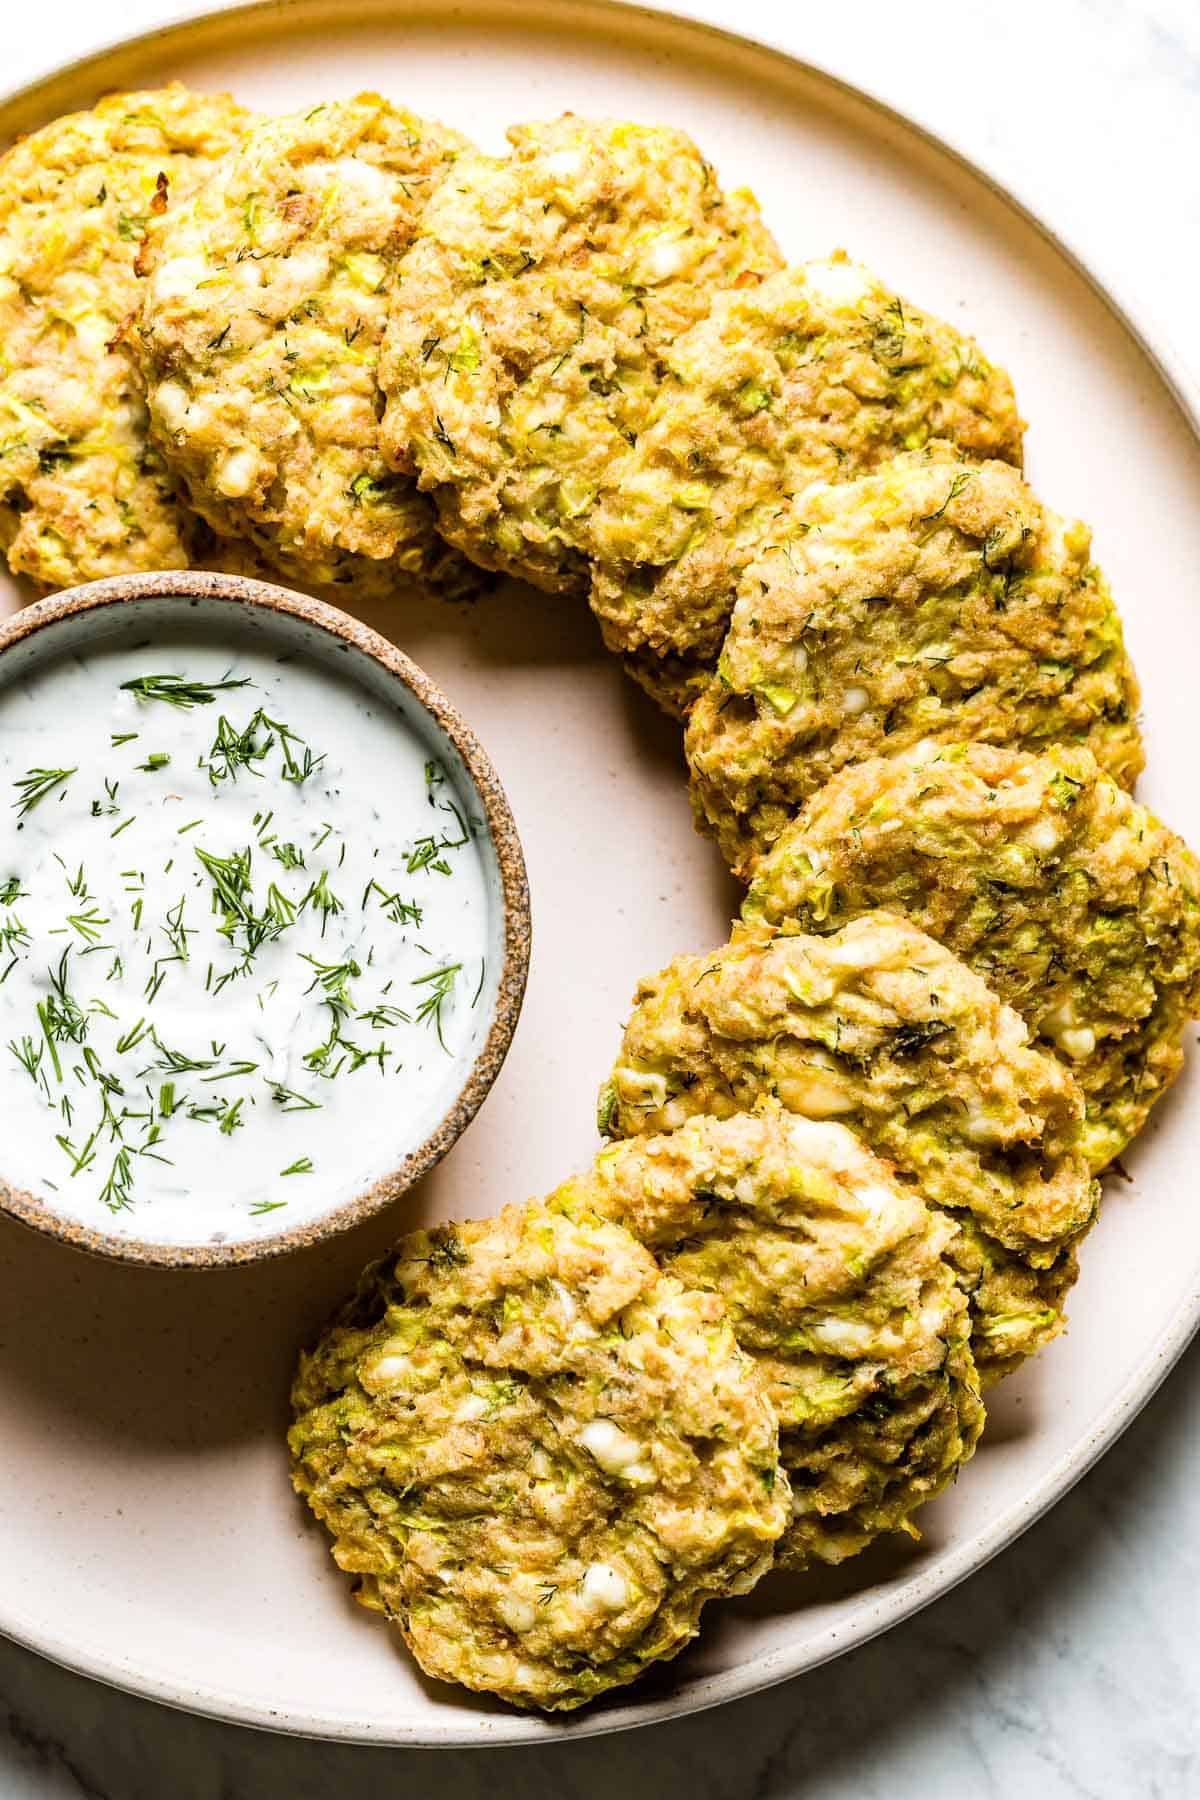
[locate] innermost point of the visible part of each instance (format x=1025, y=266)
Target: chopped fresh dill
x=395, y=907
x=116, y=1193
x=287, y=1101
x=322, y=899
x=132, y=1037
x=232, y=896
x=109, y=806
x=176, y=1062
x=426, y=854
x=303, y=1165
x=33, y=787
x=178, y=690
x=332, y=977
x=77, y=883
x=281, y=908
x=232, y=750
x=88, y=924
x=14, y=935
x=384, y=1017
x=236, y=1071
x=439, y=983
x=231, y=1118
x=29, y=1054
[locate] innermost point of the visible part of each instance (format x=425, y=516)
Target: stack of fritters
x=542, y=1442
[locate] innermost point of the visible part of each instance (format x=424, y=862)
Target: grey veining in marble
x=1070, y=1668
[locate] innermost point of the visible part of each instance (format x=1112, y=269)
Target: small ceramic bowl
x=138, y=608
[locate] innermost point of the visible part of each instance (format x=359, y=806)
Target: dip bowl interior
x=399, y=937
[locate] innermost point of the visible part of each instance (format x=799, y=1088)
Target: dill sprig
x=248, y=748
x=232, y=750
x=110, y=806
x=177, y=1062
x=395, y=907
x=117, y=1192
x=33, y=787
x=88, y=924
x=287, y=1101
x=332, y=979
x=233, y=897
x=322, y=899
x=383, y=1017
x=29, y=1054
x=440, y=983
x=178, y=690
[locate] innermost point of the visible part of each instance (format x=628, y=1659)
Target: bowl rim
x=245, y=591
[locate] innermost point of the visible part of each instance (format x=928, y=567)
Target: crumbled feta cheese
x=604, y=1588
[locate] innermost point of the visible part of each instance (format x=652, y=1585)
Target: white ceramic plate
x=149, y=1534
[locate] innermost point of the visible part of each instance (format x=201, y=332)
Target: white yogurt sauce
x=243, y=938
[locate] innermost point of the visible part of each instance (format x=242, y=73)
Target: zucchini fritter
x=1072, y=901
x=835, y=1278
x=936, y=600
x=881, y=1028
x=260, y=331
x=82, y=493
x=539, y=1455
x=819, y=374
x=526, y=331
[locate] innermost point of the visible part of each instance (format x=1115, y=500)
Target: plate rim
x=952, y=1566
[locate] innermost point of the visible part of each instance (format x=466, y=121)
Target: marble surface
x=1070, y=1666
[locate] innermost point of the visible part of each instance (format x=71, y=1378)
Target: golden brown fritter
x=539, y=1455
x=835, y=1277
x=820, y=373
x=527, y=328
x=1072, y=901
x=881, y=1028
x=82, y=493
x=936, y=600
x=259, y=335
